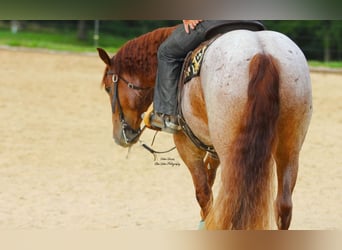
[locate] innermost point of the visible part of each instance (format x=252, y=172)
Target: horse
x=252, y=102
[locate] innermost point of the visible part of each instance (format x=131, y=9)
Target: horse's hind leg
x=287, y=168
x=291, y=134
x=194, y=159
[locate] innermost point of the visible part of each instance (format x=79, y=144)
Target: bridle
x=126, y=128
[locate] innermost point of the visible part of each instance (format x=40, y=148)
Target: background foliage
x=319, y=39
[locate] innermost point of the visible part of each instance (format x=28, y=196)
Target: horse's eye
x=107, y=89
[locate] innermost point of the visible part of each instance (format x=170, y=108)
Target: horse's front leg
x=193, y=157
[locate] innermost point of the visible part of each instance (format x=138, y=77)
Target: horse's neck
x=138, y=57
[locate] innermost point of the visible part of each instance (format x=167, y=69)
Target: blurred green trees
x=319, y=39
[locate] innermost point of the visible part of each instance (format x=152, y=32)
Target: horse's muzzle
x=128, y=137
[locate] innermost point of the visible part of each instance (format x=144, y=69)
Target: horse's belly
x=194, y=110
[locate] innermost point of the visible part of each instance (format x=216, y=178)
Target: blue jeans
x=171, y=55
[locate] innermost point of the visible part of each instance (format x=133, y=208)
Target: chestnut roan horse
x=252, y=102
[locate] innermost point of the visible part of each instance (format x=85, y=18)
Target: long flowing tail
x=243, y=201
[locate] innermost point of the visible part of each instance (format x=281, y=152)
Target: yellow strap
x=147, y=116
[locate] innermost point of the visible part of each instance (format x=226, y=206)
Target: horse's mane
x=139, y=56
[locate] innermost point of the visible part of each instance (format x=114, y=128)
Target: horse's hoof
x=201, y=225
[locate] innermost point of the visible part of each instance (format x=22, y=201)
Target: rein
x=152, y=151
x=124, y=125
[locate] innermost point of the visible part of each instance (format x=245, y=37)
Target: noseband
x=124, y=125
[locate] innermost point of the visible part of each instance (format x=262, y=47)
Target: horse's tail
x=245, y=196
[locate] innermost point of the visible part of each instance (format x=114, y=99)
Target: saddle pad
x=194, y=64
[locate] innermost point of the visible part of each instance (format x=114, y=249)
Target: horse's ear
x=104, y=56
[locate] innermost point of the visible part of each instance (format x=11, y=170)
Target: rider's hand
x=190, y=24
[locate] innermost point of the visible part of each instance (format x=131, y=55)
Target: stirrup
x=171, y=125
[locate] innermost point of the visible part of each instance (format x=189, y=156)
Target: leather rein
x=124, y=125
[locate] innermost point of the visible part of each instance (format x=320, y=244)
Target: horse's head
x=128, y=98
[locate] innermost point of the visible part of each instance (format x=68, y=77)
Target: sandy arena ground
x=59, y=167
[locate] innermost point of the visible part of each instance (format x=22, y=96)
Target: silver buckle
x=115, y=78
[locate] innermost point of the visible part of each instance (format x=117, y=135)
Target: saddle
x=192, y=68
x=193, y=61
x=225, y=26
